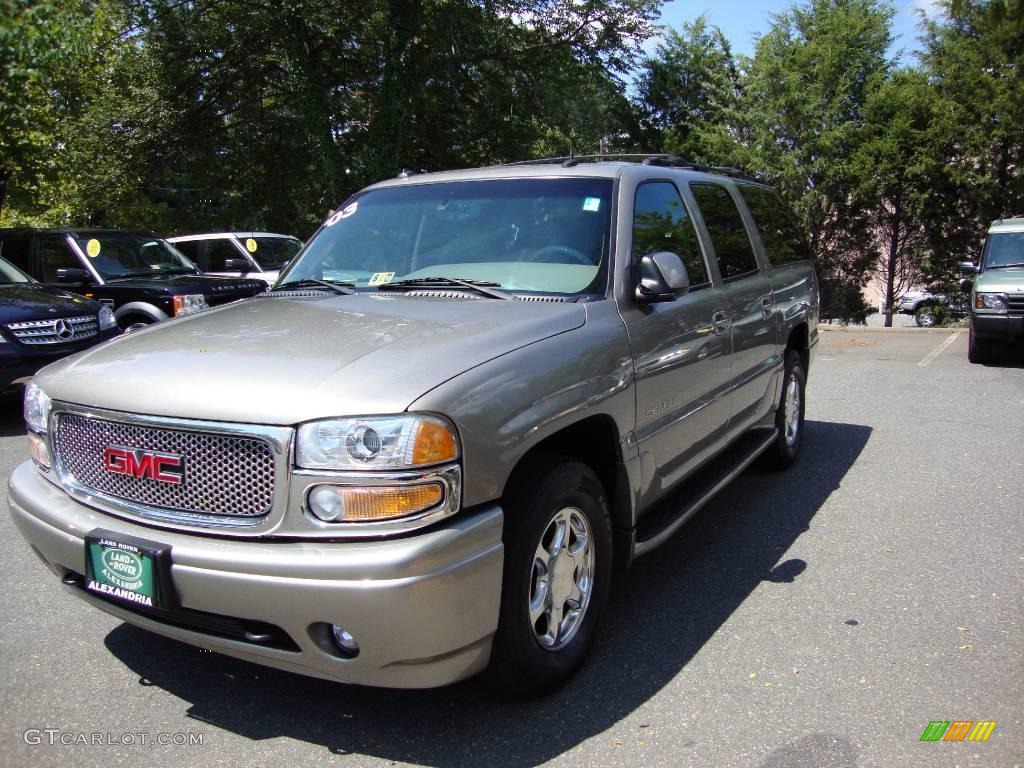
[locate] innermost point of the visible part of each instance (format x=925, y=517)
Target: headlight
x=189, y=304
x=37, y=408
x=376, y=443
x=994, y=302
x=106, y=318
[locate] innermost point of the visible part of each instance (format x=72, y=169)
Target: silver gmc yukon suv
x=426, y=449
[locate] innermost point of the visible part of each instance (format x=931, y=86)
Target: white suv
x=246, y=254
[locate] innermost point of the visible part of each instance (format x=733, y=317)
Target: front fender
x=154, y=313
x=508, y=405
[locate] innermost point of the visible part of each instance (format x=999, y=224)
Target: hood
x=20, y=302
x=285, y=360
x=1008, y=280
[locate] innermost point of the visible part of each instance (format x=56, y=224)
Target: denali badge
x=162, y=467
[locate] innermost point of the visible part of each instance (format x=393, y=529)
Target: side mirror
x=73, y=275
x=662, y=278
x=236, y=265
x=969, y=267
x=966, y=284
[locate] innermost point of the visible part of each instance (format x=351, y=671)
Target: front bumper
x=422, y=608
x=1008, y=329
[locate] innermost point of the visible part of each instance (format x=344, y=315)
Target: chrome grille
x=57, y=331
x=228, y=475
x=1015, y=302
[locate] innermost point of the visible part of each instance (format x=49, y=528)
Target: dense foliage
x=185, y=115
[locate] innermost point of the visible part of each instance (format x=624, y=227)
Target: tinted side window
x=782, y=236
x=725, y=226
x=17, y=250
x=55, y=254
x=191, y=249
x=661, y=223
x=217, y=251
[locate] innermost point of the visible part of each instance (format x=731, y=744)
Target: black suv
x=137, y=274
x=39, y=324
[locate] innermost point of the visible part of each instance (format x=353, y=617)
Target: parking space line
x=938, y=350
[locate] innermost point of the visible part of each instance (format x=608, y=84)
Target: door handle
x=767, y=306
x=720, y=322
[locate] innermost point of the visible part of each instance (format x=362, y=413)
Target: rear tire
x=557, y=574
x=789, y=416
x=978, y=351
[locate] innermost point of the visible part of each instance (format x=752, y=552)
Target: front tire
x=557, y=574
x=978, y=351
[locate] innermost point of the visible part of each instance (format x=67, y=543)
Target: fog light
x=345, y=642
x=38, y=449
x=360, y=504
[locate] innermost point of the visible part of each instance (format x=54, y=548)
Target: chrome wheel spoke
x=562, y=578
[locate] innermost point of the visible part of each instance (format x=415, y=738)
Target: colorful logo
x=958, y=730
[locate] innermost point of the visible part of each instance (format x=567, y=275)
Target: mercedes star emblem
x=64, y=330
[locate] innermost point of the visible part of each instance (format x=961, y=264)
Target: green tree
x=688, y=94
x=44, y=53
x=803, y=104
x=973, y=55
x=895, y=167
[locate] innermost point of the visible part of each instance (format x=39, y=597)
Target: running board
x=655, y=527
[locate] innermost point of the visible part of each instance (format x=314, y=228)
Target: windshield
x=543, y=235
x=11, y=274
x=271, y=252
x=1003, y=249
x=124, y=254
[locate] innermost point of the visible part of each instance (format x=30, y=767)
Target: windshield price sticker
x=592, y=204
x=251, y=245
x=379, y=278
x=93, y=248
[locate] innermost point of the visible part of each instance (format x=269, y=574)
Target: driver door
x=681, y=349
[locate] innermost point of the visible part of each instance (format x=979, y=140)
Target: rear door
x=751, y=305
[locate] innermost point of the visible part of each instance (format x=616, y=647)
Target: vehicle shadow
x=667, y=606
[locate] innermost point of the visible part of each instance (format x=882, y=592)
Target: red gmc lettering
x=145, y=464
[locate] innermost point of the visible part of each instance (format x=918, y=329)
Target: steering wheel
x=547, y=253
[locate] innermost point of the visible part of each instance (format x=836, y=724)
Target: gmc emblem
x=162, y=467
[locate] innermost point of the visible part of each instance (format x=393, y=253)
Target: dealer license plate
x=125, y=569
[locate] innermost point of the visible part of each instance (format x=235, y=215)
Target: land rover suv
x=239, y=254
x=421, y=454
x=137, y=274
x=997, y=291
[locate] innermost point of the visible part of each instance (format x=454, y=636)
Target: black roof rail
x=663, y=160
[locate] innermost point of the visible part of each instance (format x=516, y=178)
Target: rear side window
x=55, y=255
x=661, y=223
x=725, y=226
x=783, y=239
x=17, y=250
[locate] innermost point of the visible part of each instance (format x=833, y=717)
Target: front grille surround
x=1015, y=303
x=40, y=332
x=147, y=500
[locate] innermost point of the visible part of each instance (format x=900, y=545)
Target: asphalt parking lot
x=821, y=617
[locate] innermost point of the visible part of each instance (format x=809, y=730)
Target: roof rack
x=664, y=160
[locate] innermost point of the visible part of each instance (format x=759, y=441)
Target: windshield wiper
x=343, y=289
x=486, y=287
x=1004, y=266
